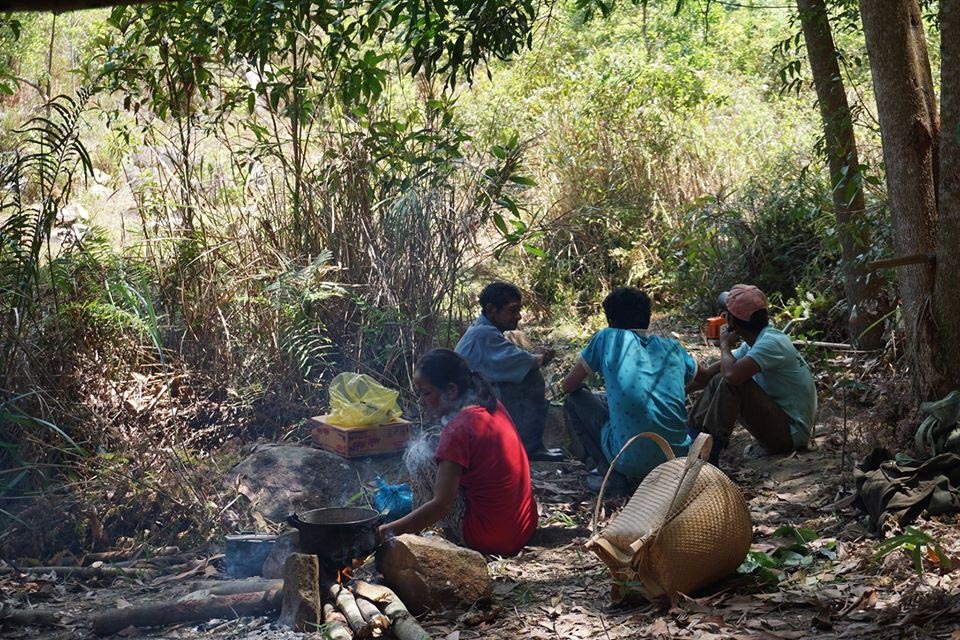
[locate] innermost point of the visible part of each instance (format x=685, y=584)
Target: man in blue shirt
x=645, y=377
x=765, y=382
x=513, y=372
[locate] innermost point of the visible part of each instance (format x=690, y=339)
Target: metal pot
x=338, y=535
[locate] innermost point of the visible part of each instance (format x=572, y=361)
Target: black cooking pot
x=338, y=535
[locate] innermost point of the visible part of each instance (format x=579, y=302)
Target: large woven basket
x=686, y=526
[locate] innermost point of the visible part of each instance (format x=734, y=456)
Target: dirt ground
x=560, y=590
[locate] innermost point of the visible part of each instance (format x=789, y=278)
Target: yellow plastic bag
x=356, y=400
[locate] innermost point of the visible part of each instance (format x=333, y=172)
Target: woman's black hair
x=499, y=294
x=442, y=366
x=755, y=324
x=627, y=308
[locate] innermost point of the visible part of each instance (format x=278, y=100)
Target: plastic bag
x=356, y=400
x=393, y=501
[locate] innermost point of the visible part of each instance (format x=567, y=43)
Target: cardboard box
x=357, y=442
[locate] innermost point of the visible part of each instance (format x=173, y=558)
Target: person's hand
x=546, y=355
x=384, y=533
x=728, y=339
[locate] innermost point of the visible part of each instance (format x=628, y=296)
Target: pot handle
x=294, y=521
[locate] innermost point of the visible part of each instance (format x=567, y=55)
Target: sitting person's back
x=644, y=376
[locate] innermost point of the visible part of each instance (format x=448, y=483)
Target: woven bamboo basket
x=686, y=527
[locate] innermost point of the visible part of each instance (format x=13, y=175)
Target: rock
x=430, y=573
x=280, y=480
x=286, y=544
x=301, y=593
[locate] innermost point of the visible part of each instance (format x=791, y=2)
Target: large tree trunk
x=946, y=301
x=909, y=130
x=843, y=160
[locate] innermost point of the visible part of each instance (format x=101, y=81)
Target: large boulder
x=280, y=480
x=430, y=573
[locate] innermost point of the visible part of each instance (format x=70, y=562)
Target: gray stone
x=301, y=593
x=430, y=573
x=286, y=544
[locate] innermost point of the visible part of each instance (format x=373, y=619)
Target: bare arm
x=444, y=495
x=575, y=377
x=735, y=371
x=702, y=377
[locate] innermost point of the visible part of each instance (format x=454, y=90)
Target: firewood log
x=334, y=624
x=29, y=617
x=347, y=604
x=226, y=607
x=372, y=615
x=403, y=624
x=232, y=587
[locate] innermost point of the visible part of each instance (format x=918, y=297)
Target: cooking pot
x=338, y=535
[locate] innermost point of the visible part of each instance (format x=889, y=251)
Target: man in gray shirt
x=513, y=372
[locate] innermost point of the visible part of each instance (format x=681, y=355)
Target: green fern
x=48, y=157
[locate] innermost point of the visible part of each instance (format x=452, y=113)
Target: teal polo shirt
x=645, y=376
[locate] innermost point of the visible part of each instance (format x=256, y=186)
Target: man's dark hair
x=755, y=324
x=498, y=294
x=627, y=308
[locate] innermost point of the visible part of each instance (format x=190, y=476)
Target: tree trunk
x=946, y=301
x=909, y=130
x=861, y=289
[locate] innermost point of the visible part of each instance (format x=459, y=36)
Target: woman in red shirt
x=480, y=451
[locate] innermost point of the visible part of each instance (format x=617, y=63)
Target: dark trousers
x=721, y=404
x=526, y=403
x=587, y=412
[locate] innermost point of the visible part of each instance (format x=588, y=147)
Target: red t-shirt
x=501, y=512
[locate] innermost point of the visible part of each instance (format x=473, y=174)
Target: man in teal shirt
x=644, y=376
x=765, y=382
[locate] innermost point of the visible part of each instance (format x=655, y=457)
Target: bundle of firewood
x=358, y=610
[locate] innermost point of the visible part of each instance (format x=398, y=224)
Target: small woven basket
x=686, y=526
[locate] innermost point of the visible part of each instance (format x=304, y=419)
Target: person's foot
x=754, y=450
x=546, y=455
